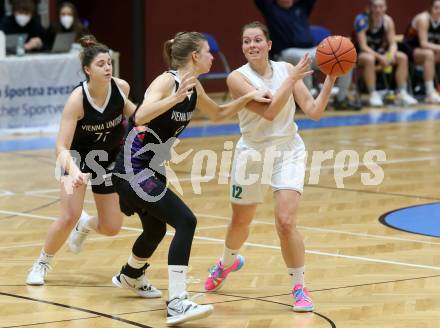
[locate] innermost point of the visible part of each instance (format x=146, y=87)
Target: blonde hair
x=176, y=50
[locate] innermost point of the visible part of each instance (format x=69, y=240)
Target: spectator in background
x=376, y=41
x=68, y=22
x=422, y=42
x=23, y=21
x=289, y=28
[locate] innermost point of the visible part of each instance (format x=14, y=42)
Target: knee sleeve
x=153, y=232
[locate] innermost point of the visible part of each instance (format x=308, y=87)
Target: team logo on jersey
x=163, y=152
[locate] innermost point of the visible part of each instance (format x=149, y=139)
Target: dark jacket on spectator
x=33, y=29
x=288, y=28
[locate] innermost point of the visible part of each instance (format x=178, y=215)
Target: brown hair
x=257, y=24
x=91, y=48
x=23, y=5
x=77, y=26
x=176, y=51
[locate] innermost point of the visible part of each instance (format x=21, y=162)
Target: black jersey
x=412, y=36
x=159, y=132
x=377, y=38
x=100, y=128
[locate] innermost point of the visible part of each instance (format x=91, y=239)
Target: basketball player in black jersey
x=376, y=39
x=90, y=136
x=422, y=40
x=140, y=179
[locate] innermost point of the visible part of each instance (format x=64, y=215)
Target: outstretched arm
x=313, y=108
x=218, y=112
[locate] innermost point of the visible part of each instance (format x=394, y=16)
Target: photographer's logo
x=251, y=166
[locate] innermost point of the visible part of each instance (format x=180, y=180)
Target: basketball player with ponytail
x=89, y=138
x=140, y=177
x=265, y=126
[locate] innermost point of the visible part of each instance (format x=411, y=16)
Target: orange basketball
x=336, y=55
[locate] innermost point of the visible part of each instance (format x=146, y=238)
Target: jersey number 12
x=236, y=191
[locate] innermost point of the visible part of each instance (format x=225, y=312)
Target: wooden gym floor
x=360, y=273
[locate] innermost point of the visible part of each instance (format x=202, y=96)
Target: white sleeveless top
x=256, y=130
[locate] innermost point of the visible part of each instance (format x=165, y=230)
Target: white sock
x=429, y=86
x=229, y=256
x=176, y=280
x=297, y=275
x=44, y=257
x=85, y=218
x=402, y=89
x=134, y=263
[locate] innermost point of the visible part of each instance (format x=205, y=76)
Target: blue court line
x=370, y=118
x=27, y=144
x=420, y=219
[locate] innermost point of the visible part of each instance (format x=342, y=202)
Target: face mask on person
x=22, y=20
x=66, y=21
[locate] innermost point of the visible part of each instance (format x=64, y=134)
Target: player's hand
x=186, y=86
x=262, y=96
x=302, y=69
x=79, y=178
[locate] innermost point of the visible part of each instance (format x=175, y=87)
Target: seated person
x=23, y=21
x=67, y=22
x=376, y=41
x=289, y=28
x=422, y=42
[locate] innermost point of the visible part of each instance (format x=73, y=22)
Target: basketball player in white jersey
x=264, y=126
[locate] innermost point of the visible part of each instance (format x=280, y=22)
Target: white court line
x=351, y=257
x=212, y=227
x=394, y=161
x=371, y=143
x=360, y=258
x=359, y=234
x=4, y=193
x=53, y=197
x=93, y=239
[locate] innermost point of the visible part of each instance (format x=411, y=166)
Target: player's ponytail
x=176, y=51
x=167, y=52
x=90, y=49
